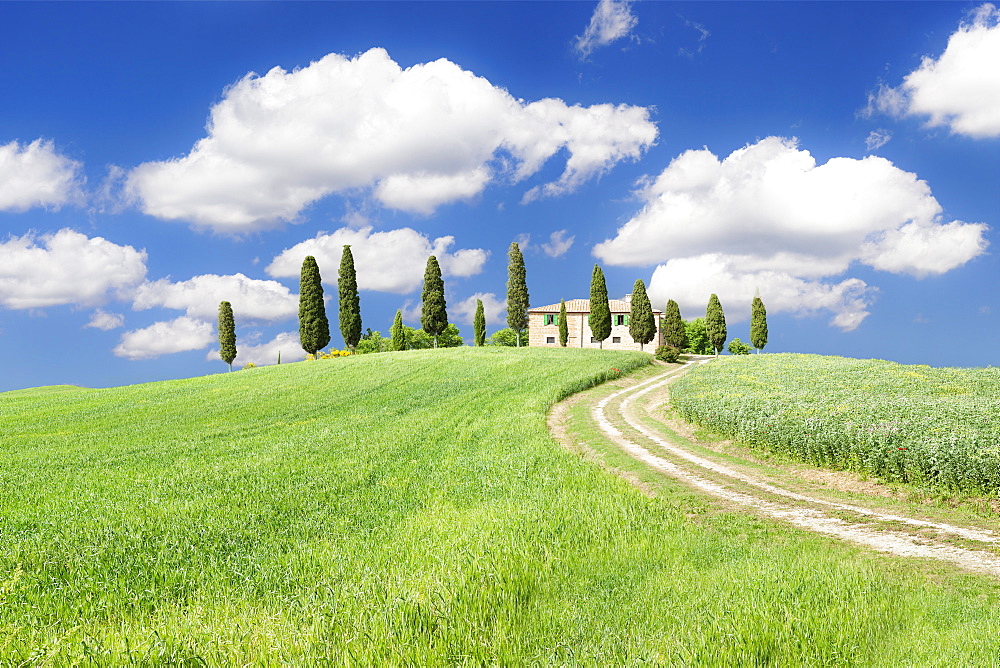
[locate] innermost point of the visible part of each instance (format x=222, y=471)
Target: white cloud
x=66, y=268
x=768, y=210
x=772, y=206
x=703, y=35
x=960, y=88
x=558, y=244
x=106, y=321
x=200, y=296
x=35, y=175
x=877, y=139
x=612, y=20
x=286, y=343
x=690, y=281
x=164, y=338
x=392, y=261
x=411, y=311
x=494, y=309
x=418, y=137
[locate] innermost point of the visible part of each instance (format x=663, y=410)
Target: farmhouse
x=543, y=326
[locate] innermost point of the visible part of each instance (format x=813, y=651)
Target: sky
x=841, y=160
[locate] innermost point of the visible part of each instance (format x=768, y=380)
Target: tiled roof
x=583, y=306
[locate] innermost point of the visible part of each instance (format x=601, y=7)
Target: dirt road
x=634, y=418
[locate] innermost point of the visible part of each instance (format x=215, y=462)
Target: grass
x=410, y=508
x=933, y=428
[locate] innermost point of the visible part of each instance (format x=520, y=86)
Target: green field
x=410, y=508
x=936, y=428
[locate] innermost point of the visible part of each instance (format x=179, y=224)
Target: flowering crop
x=933, y=427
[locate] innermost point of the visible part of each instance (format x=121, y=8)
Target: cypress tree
x=350, y=301
x=398, y=333
x=563, y=324
x=641, y=324
x=479, y=324
x=433, y=311
x=600, y=310
x=227, y=334
x=674, y=332
x=517, y=291
x=758, y=324
x=715, y=324
x=314, y=328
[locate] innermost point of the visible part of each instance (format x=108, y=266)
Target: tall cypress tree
x=227, y=334
x=398, y=333
x=641, y=323
x=715, y=324
x=479, y=324
x=563, y=324
x=433, y=310
x=350, y=301
x=517, y=291
x=758, y=324
x=600, y=310
x=674, y=332
x=314, y=328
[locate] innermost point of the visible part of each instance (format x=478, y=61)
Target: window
x=550, y=318
x=621, y=319
x=616, y=339
x=593, y=340
x=550, y=339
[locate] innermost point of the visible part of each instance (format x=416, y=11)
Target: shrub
x=667, y=353
x=737, y=347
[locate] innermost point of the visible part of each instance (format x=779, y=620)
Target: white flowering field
x=937, y=428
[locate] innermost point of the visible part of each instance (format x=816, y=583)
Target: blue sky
x=843, y=159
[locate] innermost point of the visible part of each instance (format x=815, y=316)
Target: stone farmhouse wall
x=543, y=326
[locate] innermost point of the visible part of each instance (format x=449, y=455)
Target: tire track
x=793, y=506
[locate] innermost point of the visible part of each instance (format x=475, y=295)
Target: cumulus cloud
x=103, y=320
x=688, y=281
x=392, y=261
x=770, y=208
x=200, y=296
x=36, y=175
x=960, y=88
x=66, y=268
x=417, y=137
x=612, y=20
x=165, y=338
x=493, y=308
x=286, y=343
x=558, y=244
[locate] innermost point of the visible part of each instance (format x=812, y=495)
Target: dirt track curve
x=633, y=419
